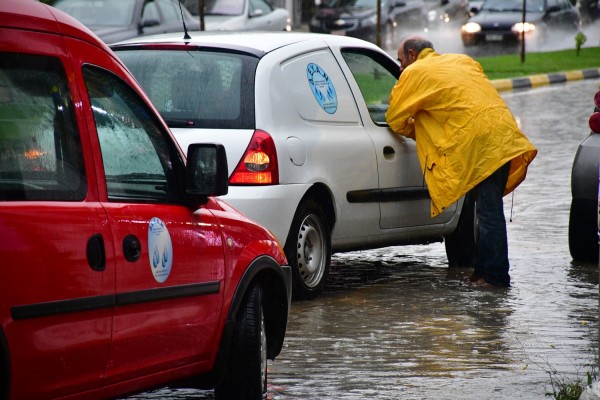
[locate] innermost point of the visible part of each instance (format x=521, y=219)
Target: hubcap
x=311, y=250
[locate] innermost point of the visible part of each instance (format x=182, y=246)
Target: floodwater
x=396, y=323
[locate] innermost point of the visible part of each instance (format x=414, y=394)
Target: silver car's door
x=403, y=195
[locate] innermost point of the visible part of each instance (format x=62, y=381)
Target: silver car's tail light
x=258, y=165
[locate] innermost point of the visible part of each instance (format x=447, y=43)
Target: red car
x=120, y=269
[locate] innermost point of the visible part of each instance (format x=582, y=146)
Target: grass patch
x=510, y=66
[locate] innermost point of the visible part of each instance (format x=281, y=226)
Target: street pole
x=201, y=14
x=523, y=31
x=378, y=25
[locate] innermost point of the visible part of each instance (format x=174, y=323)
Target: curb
x=545, y=79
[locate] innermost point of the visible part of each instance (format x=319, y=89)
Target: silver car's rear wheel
x=308, y=249
x=311, y=251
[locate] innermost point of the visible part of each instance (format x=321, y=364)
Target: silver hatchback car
x=302, y=116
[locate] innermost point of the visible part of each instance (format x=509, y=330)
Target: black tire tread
x=243, y=377
x=583, y=231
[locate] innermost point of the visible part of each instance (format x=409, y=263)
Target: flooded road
x=396, y=323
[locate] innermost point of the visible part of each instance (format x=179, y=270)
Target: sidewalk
x=544, y=79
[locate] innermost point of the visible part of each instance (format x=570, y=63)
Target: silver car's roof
x=264, y=42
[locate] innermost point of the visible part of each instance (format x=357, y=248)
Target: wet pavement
x=396, y=323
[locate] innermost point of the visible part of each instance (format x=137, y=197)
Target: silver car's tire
x=308, y=250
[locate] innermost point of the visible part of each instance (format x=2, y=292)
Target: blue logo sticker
x=160, y=250
x=322, y=88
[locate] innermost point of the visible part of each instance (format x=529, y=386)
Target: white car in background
x=302, y=116
x=241, y=15
x=116, y=20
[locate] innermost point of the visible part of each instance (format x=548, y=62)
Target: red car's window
x=40, y=148
x=136, y=152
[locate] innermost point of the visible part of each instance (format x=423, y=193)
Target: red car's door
x=57, y=272
x=169, y=257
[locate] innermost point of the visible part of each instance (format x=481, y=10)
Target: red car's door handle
x=96, y=255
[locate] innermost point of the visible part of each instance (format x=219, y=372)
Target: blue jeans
x=491, y=244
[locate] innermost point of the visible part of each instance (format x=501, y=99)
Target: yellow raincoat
x=463, y=129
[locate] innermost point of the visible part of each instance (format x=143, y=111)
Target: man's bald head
x=410, y=48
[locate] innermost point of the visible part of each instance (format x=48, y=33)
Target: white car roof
x=260, y=41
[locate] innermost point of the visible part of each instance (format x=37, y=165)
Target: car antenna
x=186, y=36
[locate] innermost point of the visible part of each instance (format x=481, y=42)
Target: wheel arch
x=265, y=271
x=320, y=193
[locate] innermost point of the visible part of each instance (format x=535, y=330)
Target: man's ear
x=412, y=55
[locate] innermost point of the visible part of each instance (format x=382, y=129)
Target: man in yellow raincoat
x=468, y=142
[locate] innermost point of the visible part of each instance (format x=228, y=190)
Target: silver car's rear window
x=196, y=88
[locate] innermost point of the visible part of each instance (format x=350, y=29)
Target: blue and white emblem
x=160, y=250
x=322, y=88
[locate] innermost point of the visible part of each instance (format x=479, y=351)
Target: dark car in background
x=358, y=18
x=583, y=219
x=446, y=13
x=115, y=20
x=589, y=9
x=501, y=22
x=474, y=7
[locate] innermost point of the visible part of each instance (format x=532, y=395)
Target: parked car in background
x=115, y=20
x=446, y=13
x=242, y=15
x=474, y=7
x=121, y=269
x=589, y=10
x=358, y=18
x=501, y=22
x=583, y=219
x=310, y=156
